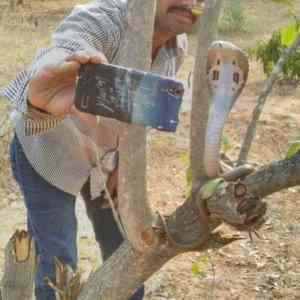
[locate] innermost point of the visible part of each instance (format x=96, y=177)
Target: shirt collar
x=177, y=46
x=172, y=50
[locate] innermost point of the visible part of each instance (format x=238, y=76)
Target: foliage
x=289, y=3
x=294, y=149
x=199, y=267
x=226, y=145
x=234, y=19
x=210, y=188
x=289, y=34
x=268, y=52
x=188, y=173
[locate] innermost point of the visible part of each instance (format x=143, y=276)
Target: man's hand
x=52, y=89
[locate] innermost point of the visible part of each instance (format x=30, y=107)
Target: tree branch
x=135, y=215
x=183, y=225
x=266, y=181
x=274, y=177
x=251, y=130
x=130, y=270
x=200, y=102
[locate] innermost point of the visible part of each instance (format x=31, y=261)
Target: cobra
x=227, y=69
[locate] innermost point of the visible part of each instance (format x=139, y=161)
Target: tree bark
x=136, y=216
x=130, y=270
x=274, y=177
x=19, y=269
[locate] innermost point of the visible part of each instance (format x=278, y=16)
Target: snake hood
x=227, y=70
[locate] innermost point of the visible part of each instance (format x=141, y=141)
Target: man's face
x=175, y=16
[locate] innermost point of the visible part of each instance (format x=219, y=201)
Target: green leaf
x=289, y=34
x=184, y=157
x=285, y=2
x=293, y=149
x=199, y=267
x=189, y=176
x=196, y=270
x=226, y=145
x=209, y=189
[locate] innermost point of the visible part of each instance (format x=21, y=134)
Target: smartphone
x=129, y=95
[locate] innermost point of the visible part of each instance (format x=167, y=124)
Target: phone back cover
x=129, y=95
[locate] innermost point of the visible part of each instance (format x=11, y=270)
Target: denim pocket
x=21, y=168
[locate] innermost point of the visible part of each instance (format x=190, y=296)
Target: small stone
x=277, y=294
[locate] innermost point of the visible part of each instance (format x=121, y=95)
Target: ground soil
x=267, y=268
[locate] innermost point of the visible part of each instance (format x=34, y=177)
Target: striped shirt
x=66, y=151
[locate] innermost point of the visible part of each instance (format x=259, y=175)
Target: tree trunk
x=136, y=216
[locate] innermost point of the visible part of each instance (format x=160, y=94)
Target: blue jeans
x=52, y=222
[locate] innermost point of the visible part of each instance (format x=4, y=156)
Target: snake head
x=227, y=69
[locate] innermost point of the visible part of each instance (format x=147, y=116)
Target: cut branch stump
x=19, y=268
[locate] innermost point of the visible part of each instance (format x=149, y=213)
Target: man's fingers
x=84, y=57
x=52, y=73
x=53, y=87
x=80, y=56
x=98, y=58
x=70, y=67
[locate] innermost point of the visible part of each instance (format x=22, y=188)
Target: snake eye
x=218, y=62
x=175, y=92
x=85, y=102
x=236, y=77
x=234, y=62
x=216, y=75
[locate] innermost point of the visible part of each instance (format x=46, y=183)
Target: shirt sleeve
x=16, y=91
x=95, y=27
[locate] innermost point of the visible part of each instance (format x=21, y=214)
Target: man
x=55, y=152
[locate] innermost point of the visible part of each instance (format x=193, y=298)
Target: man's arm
x=49, y=83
